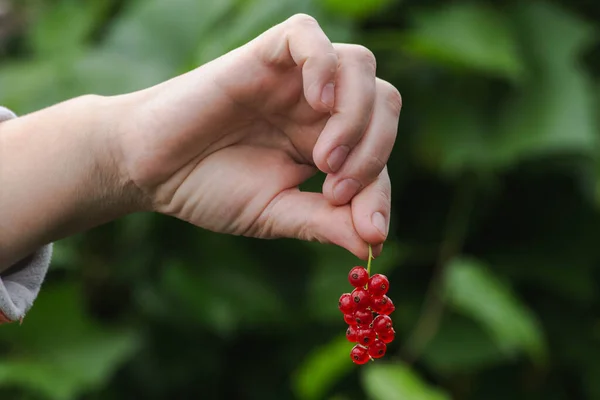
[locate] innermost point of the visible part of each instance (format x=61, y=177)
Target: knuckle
x=393, y=97
x=302, y=20
x=373, y=165
x=365, y=56
x=385, y=198
x=384, y=191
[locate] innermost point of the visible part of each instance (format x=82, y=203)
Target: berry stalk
x=369, y=262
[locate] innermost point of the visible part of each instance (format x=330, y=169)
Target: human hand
x=226, y=145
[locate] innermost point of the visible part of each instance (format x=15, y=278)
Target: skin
x=223, y=147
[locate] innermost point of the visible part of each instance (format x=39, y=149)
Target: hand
x=226, y=145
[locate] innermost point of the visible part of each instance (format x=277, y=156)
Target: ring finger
x=368, y=159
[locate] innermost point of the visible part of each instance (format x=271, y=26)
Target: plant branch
x=452, y=243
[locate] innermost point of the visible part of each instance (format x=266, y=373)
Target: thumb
x=309, y=216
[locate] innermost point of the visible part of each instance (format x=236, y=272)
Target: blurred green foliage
x=493, y=253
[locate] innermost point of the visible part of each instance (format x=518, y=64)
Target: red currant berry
x=366, y=336
x=380, y=304
x=358, y=277
x=377, y=349
x=359, y=355
x=378, y=285
x=346, y=303
x=352, y=334
x=389, y=307
x=382, y=323
x=349, y=319
x=361, y=298
x=363, y=317
x=387, y=336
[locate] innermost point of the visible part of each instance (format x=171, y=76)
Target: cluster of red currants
x=370, y=332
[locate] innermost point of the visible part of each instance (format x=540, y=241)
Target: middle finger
x=370, y=156
x=354, y=99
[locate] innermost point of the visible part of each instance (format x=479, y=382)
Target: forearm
x=59, y=175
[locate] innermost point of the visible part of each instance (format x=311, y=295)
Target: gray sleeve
x=21, y=283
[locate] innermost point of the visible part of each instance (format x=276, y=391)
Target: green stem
x=454, y=237
x=369, y=262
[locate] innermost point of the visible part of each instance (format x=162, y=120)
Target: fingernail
x=337, y=157
x=378, y=221
x=344, y=190
x=328, y=95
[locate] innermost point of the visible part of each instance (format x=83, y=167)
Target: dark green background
x=494, y=248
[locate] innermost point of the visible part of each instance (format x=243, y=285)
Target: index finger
x=300, y=41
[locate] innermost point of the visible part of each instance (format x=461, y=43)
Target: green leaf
x=453, y=138
x=473, y=290
x=105, y=71
x=460, y=345
x=63, y=28
x=59, y=351
x=222, y=298
x=575, y=282
x=466, y=35
x=554, y=112
x=27, y=87
x=246, y=20
x=67, y=371
x=322, y=369
x=165, y=33
x=397, y=382
x=252, y=17
x=550, y=112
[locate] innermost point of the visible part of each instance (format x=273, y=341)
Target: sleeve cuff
x=21, y=283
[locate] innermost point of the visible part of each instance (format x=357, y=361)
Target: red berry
x=346, y=304
x=366, y=336
x=387, y=336
x=382, y=323
x=378, y=285
x=361, y=298
x=349, y=319
x=389, y=307
x=359, y=355
x=358, y=277
x=380, y=304
x=363, y=317
x=352, y=333
x=377, y=349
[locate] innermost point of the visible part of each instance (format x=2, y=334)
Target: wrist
x=109, y=119
x=95, y=131
x=161, y=135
